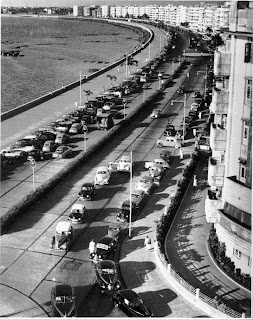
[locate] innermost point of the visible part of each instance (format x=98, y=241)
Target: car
x=35, y=154
x=22, y=146
x=160, y=161
x=170, y=130
x=6, y=162
x=114, y=231
x=106, y=275
x=87, y=119
x=156, y=171
x=64, y=234
x=77, y=213
x=62, y=127
x=194, y=106
x=181, y=90
x=156, y=113
x=124, y=164
x=168, y=142
x=47, y=134
x=124, y=214
x=130, y=303
x=166, y=155
x=196, y=94
x=87, y=191
x=146, y=184
x=14, y=153
x=193, y=115
x=76, y=128
x=61, y=138
x=138, y=197
x=63, y=301
x=103, y=175
x=49, y=146
x=62, y=152
x=105, y=246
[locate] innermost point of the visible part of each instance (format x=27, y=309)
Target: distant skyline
x=71, y=3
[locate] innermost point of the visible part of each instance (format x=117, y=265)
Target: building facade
x=230, y=166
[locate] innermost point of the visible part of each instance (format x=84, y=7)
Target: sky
x=71, y=3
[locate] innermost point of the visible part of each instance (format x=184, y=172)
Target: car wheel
x=176, y=146
x=160, y=145
x=116, y=304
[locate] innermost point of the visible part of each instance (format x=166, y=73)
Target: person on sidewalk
x=181, y=154
x=52, y=243
x=76, y=104
x=200, y=114
x=194, y=131
x=92, y=247
x=195, y=182
x=147, y=243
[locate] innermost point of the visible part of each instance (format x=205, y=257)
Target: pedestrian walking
x=181, y=154
x=195, y=182
x=52, y=243
x=147, y=243
x=194, y=131
x=92, y=246
x=200, y=114
x=76, y=104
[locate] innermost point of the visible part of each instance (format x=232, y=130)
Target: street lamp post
x=131, y=178
x=184, y=102
x=81, y=87
x=125, y=109
x=160, y=76
x=85, y=131
x=33, y=166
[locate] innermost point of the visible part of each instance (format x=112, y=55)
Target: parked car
x=61, y=138
x=162, y=162
x=168, y=142
x=203, y=143
x=64, y=234
x=49, y=146
x=169, y=130
x=196, y=94
x=146, y=184
x=35, y=154
x=62, y=127
x=76, y=128
x=77, y=213
x=87, y=191
x=181, y=90
x=62, y=152
x=194, y=106
x=114, y=231
x=47, y=134
x=156, y=113
x=14, y=153
x=63, y=301
x=124, y=164
x=130, y=303
x=103, y=175
x=106, y=275
x=22, y=146
x=105, y=246
x=156, y=171
x=104, y=121
x=166, y=155
x=138, y=197
x=124, y=214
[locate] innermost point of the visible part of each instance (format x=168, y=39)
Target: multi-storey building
x=230, y=167
x=77, y=11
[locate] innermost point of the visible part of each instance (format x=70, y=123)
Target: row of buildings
x=197, y=18
x=230, y=166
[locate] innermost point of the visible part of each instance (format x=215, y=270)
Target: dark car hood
x=65, y=309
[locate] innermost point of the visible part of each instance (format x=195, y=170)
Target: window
x=248, y=53
x=237, y=253
x=242, y=172
x=224, y=121
x=248, y=92
x=245, y=136
x=249, y=262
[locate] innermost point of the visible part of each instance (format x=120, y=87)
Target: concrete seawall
x=8, y=114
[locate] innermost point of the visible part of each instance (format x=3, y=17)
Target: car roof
x=129, y=294
x=63, y=290
x=63, y=226
x=139, y=192
x=87, y=184
x=159, y=160
x=106, y=264
x=102, y=168
x=105, y=240
x=78, y=206
x=125, y=158
x=146, y=178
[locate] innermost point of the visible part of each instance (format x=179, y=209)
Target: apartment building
x=230, y=166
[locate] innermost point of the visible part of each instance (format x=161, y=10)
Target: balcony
x=212, y=206
x=216, y=172
x=219, y=102
x=222, y=64
x=218, y=137
x=237, y=194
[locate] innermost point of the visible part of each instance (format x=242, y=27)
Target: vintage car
x=14, y=153
x=114, y=231
x=103, y=175
x=63, y=301
x=87, y=191
x=170, y=130
x=124, y=164
x=156, y=171
x=196, y=94
x=77, y=213
x=156, y=113
x=168, y=142
x=62, y=152
x=166, y=155
x=194, y=106
x=162, y=162
x=130, y=303
x=76, y=128
x=104, y=246
x=181, y=90
x=35, y=154
x=104, y=121
x=138, y=197
x=203, y=143
x=146, y=184
x=61, y=138
x=106, y=275
x=62, y=127
x=64, y=234
x=124, y=214
x=49, y=146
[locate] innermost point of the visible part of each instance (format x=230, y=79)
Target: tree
x=87, y=93
x=112, y=78
x=209, y=30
